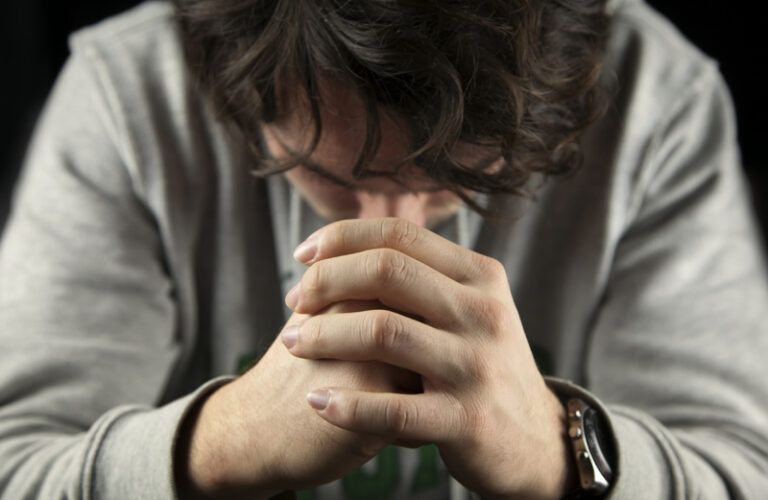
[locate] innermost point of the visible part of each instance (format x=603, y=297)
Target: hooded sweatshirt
x=143, y=267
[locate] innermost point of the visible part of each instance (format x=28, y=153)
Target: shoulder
x=662, y=92
x=138, y=49
x=135, y=56
x=659, y=82
x=141, y=27
x=651, y=60
x=136, y=61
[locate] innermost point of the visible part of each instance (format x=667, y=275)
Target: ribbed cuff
x=133, y=450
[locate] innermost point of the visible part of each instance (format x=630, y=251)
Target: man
x=145, y=264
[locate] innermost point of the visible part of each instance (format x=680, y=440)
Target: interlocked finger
x=409, y=417
x=398, y=281
x=380, y=335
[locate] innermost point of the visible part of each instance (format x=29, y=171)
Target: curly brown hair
x=520, y=76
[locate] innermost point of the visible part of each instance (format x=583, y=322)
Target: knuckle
x=354, y=411
x=386, y=330
x=497, y=318
x=459, y=366
x=474, y=421
x=389, y=267
x=397, y=417
x=399, y=233
x=312, y=333
x=312, y=281
x=336, y=235
x=468, y=421
x=490, y=268
x=488, y=314
x=474, y=367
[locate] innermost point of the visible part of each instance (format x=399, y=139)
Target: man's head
x=440, y=91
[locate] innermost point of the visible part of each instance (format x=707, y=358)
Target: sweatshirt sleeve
x=679, y=344
x=87, y=316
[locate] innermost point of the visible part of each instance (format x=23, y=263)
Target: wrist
x=563, y=476
x=549, y=472
x=206, y=457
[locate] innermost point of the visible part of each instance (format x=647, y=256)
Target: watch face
x=598, y=442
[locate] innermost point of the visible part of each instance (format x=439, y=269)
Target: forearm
x=127, y=453
x=707, y=463
x=201, y=455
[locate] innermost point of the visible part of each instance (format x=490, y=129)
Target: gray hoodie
x=142, y=267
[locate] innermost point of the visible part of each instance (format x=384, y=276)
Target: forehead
x=344, y=133
x=381, y=182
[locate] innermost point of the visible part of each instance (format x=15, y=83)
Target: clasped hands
x=446, y=314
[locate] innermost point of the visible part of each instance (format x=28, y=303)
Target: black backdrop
x=33, y=47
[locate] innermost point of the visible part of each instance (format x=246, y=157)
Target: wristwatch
x=592, y=448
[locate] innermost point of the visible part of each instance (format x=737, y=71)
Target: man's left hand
x=448, y=316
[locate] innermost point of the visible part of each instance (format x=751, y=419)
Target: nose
x=408, y=206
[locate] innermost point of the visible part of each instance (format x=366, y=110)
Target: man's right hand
x=257, y=436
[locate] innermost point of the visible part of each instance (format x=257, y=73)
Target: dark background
x=34, y=46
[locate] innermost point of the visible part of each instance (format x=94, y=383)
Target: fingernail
x=319, y=399
x=306, y=251
x=290, y=336
x=292, y=299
